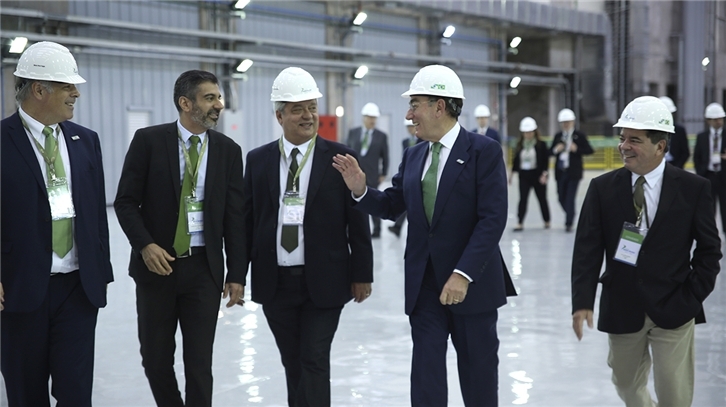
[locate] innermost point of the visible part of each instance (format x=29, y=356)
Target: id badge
x=631, y=239
x=60, y=200
x=293, y=210
x=715, y=158
x=195, y=214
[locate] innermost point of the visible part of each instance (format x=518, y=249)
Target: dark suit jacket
x=375, y=162
x=469, y=217
x=492, y=134
x=147, y=202
x=679, y=147
x=574, y=171
x=338, y=248
x=27, y=252
x=543, y=158
x=702, y=153
x=668, y=283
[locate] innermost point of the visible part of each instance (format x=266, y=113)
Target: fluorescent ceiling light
x=241, y=4
x=18, y=45
x=339, y=111
x=360, y=18
x=515, y=42
x=449, y=31
x=515, y=82
x=361, y=72
x=244, y=65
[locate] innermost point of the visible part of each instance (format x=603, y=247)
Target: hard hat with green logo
x=436, y=80
x=294, y=85
x=646, y=113
x=48, y=61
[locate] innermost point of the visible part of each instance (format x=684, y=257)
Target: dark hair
x=187, y=85
x=453, y=105
x=655, y=136
x=520, y=142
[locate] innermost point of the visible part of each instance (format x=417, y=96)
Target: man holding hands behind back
x=454, y=188
x=644, y=218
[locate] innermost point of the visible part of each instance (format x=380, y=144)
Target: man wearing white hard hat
x=371, y=145
x=709, y=157
x=454, y=187
x=179, y=202
x=678, y=150
x=568, y=146
x=410, y=141
x=644, y=219
x=311, y=252
x=482, y=115
x=55, y=262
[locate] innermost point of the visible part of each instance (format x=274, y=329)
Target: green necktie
x=366, y=140
x=289, y=232
x=428, y=185
x=62, y=228
x=639, y=196
x=182, y=239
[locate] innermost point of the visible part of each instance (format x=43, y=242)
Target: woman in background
x=531, y=160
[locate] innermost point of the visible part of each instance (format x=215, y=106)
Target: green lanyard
x=302, y=163
x=188, y=161
x=50, y=160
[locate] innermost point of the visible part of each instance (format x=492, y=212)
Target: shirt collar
x=35, y=127
x=652, y=178
x=449, y=138
x=186, y=134
x=288, y=146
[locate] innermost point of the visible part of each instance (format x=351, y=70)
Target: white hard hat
x=669, y=103
x=408, y=122
x=527, y=124
x=646, y=113
x=436, y=80
x=294, y=85
x=48, y=61
x=714, y=111
x=370, y=109
x=482, y=111
x=565, y=115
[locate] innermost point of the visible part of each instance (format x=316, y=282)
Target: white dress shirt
x=651, y=189
x=297, y=256
x=714, y=145
x=35, y=131
x=197, y=238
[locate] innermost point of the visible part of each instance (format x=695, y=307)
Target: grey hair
x=23, y=85
x=279, y=106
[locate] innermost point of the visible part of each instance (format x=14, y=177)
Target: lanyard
x=50, y=160
x=193, y=174
x=302, y=163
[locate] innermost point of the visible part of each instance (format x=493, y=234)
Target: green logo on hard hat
x=665, y=121
x=438, y=86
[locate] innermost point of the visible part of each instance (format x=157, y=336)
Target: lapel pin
x=460, y=161
x=74, y=138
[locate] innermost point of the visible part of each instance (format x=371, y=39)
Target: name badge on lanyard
x=293, y=211
x=60, y=200
x=631, y=240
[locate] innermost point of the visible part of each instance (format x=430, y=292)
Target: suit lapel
x=321, y=162
x=20, y=138
x=415, y=166
x=671, y=181
x=273, y=176
x=454, y=165
x=172, y=150
x=212, y=153
x=624, y=188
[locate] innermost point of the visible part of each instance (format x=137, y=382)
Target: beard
x=205, y=119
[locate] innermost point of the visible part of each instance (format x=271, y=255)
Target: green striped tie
x=62, y=228
x=182, y=239
x=428, y=184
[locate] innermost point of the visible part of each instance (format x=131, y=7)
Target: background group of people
x=298, y=214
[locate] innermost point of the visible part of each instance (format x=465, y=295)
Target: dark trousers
x=55, y=341
x=566, y=193
x=718, y=193
x=188, y=297
x=304, y=334
x=527, y=180
x=476, y=343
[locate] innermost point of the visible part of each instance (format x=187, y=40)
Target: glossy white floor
x=541, y=361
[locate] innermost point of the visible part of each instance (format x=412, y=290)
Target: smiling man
x=645, y=218
x=55, y=260
x=179, y=201
x=310, y=250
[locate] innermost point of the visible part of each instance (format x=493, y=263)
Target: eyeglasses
x=413, y=105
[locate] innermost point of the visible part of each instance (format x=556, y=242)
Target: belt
x=291, y=270
x=62, y=274
x=194, y=250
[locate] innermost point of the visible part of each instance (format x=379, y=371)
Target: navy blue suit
x=492, y=134
x=34, y=317
x=468, y=220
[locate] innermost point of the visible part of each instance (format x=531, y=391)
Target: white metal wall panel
x=387, y=33
x=468, y=43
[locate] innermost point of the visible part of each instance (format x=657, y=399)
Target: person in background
x=643, y=219
x=311, y=252
x=56, y=262
x=409, y=141
x=678, y=150
x=531, y=160
x=371, y=145
x=179, y=202
x=482, y=115
x=568, y=147
x=709, y=157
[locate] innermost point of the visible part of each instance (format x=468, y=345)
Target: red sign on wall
x=328, y=128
